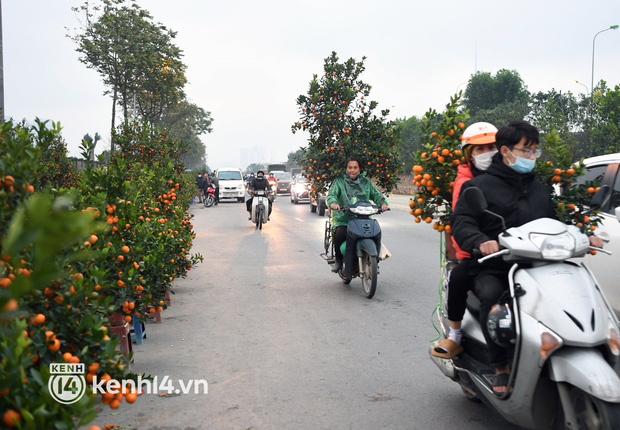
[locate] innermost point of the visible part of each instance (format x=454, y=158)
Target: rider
x=478, y=149
x=216, y=184
x=205, y=186
x=346, y=190
x=259, y=183
x=512, y=192
x=273, y=181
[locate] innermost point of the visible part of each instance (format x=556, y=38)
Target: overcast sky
x=249, y=60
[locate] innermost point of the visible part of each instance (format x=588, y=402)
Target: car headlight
x=240, y=187
x=554, y=247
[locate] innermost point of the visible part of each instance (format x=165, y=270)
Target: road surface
x=283, y=344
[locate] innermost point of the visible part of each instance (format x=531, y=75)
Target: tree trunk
x=113, y=117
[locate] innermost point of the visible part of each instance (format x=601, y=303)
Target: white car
x=231, y=183
x=606, y=268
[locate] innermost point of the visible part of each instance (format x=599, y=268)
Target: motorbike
x=363, y=234
x=260, y=208
x=274, y=191
x=562, y=333
x=209, y=196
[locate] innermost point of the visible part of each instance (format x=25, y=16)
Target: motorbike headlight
x=549, y=342
x=364, y=210
x=554, y=247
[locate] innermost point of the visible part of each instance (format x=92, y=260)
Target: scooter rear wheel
x=369, y=274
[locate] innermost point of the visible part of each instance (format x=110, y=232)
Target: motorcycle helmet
x=479, y=133
x=501, y=325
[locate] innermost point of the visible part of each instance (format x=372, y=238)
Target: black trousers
x=489, y=288
x=459, y=284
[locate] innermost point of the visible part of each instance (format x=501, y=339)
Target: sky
x=248, y=61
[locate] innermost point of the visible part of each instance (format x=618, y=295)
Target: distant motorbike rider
x=258, y=183
x=216, y=184
x=205, y=185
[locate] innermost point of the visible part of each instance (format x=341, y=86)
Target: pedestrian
x=199, y=186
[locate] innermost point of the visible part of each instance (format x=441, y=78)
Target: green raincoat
x=346, y=191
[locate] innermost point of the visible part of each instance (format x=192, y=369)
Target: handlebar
x=495, y=254
x=594, y=248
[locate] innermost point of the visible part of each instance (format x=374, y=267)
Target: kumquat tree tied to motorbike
x=437, y=163
x=340, y=119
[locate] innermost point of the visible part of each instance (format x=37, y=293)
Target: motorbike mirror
x=601, y=198
x=478, y=204
x=475, y=200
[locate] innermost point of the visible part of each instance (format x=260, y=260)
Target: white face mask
x=483, y=161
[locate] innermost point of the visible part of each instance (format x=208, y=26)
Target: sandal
x=447, y=348
x=500, y=380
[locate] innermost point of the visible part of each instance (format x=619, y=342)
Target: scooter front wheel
x=369, y=274
x=260, y=218
x=590, y=412
x=209, y=200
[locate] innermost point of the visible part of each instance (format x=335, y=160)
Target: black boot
x=337, y=266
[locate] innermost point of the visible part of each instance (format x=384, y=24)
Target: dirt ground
x=405, y=185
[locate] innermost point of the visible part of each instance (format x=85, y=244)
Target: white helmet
x=479, y=133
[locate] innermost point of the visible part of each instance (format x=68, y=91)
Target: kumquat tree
x=436, y=167
x=340, y=119
x=75, y=259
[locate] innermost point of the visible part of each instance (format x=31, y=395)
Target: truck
x=276, y=167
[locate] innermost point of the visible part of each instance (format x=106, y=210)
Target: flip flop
x=447, y=349
x=500, y=380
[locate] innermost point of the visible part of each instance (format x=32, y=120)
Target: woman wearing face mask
x=478, y=150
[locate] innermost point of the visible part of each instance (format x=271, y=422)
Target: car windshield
x=229, y=175
x=286, y=176
x=300, y=178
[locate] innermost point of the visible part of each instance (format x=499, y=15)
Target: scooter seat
x=473, y=304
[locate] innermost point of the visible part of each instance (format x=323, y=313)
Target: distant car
x=300, y=188
x=232, y=185
x=605, y=170
x=318, y=203
x=284, y=181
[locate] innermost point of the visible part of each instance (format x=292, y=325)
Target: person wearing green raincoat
x=350, y=188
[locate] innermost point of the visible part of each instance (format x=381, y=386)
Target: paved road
x=284, y=344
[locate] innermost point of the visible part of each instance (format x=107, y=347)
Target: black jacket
x=260, y=184
x=519, y=198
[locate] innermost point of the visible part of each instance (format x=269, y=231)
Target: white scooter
x=260, y=208
x=563, y=332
